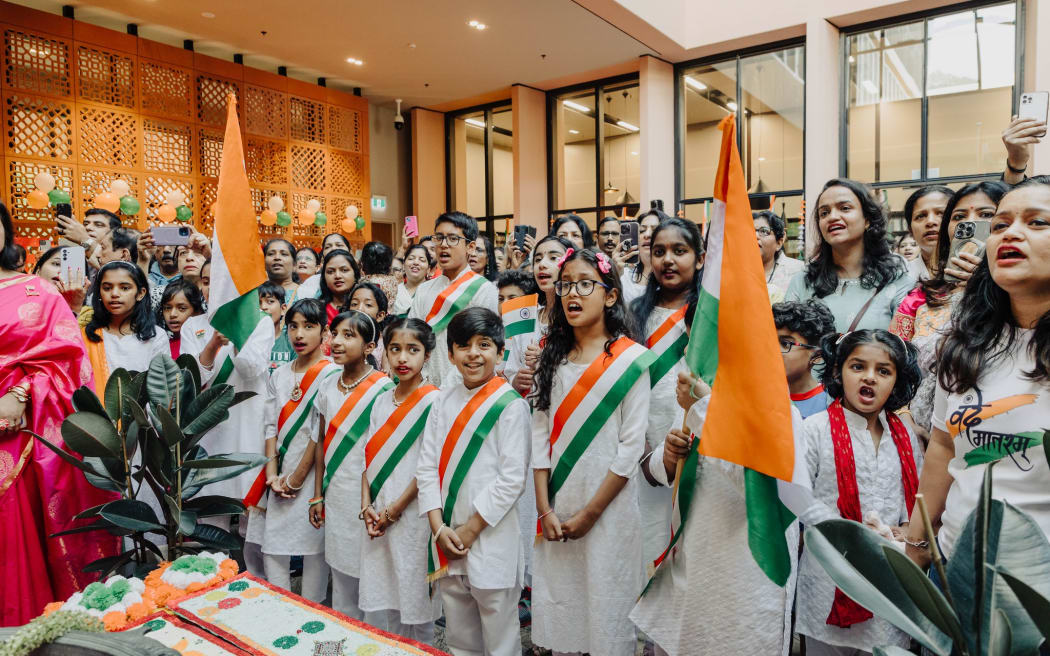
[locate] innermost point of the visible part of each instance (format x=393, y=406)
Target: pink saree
x=39, y=493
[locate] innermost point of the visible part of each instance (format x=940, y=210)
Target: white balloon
x=119, y=188
x=44, y=181
x=351, y=212
x=275, y=203
x=313, y=205
x=175, y=198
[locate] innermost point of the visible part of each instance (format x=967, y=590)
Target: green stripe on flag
x=224, y=372
x=520, y=327
x=767, y=521
x=461, y=302
x=666, y=361
x=702, y=353
x=237, y=318
x=352, y=436
x=402, y=448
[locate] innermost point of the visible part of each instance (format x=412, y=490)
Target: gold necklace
x=346, y=389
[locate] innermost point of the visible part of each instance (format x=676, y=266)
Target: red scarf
x=844, y=611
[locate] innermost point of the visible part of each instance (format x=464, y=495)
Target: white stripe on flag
x=712, y=280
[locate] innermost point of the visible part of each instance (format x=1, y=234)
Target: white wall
x=390, y=166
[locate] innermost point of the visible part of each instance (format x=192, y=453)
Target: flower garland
x=46, y=629
x=189, y=574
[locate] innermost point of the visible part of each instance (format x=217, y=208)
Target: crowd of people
x=426, y=459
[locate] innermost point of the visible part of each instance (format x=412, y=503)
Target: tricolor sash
x=388, y=445
x=350, y=423
x=668, y=344
x=454, y=298
x=519, y=315
x=293, y=416
x=461, y=447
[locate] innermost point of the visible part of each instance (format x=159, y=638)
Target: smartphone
x=629, y=239
x=73, y=264
x=969, y=238
x=171, y=235
x=1034, y=105
x=519, y=235
x=411, y=226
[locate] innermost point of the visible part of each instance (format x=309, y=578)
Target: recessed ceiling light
x=574, y=131
x=475, y=122
x=354, y=61
x=477, y=25
x=473, y=23
x=695, y=83
x=577, y=106
x=731, y=105
x=207, y=14
x=627, y=126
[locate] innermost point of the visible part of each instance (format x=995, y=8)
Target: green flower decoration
x=195, y=565
x=286, y=642
x=313, y=627
x=155, y=625
x=238, y=586
x=99, y=596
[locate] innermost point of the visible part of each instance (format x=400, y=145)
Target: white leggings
x=315, y=574
x=345, y=595
x=390, y=621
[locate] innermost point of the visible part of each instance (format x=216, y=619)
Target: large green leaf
x=1000, y=635
x=160, y=461
x=169, y=428
x=84, y=400
x=852, y=556
x=116, y=388
x=89, y=512
x=71, y=459
x=137, y=389
x=188, y=363
x=201, y=477
x=1037, y=605
x=924, y=593
x=208, y=410
x=98, y=525
x=241, y=397
x=91, y=435
x=217, y=461
x=891, y=650
x=214, y=506
x=162, y=381
x=103, y=482
x=213, y=536
x=982, y=515
x=109, y=563
x=185, y=520
x=131, y=514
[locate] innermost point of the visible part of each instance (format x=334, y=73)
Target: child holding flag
x=588, y=433
x=472, y=466
x=345, y=405
x=394, y=595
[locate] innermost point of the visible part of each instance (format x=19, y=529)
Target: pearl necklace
x=346, y=389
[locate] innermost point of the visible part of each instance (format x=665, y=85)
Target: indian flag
x=519, y=315
x=237, y=267
x=736, y=352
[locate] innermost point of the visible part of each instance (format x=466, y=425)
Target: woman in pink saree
x=42, y=362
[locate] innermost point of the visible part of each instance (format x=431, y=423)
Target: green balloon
x=130, y=207
x=183, y=213
x=360, y=222
x=320, y=219
x=56, y=196
x=284, y=219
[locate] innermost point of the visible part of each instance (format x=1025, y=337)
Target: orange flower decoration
x=115, y=620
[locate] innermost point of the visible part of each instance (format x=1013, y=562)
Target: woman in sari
x=42, y=363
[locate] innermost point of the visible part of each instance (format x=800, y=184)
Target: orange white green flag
x=237, y=267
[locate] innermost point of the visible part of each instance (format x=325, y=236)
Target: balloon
x=129, y=206
x=37, y=199
x=320, y=218
x=183, y=213
x=166, y=213
x=313, y=205
x=119, y=188
x=306, y=217
x=360, y=222
x=268, y=218
x=57, y=196
x=275, y=203
x=351, y=212
x=347, y=225
x=284, y=219
x=175, y=198
x=44, y=181
x=107, y=201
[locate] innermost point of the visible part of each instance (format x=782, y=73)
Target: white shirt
x=403, y=301
x=784, y=269
x=309, y=288
x=631, y=289
x=131, y=353
x=491, y=488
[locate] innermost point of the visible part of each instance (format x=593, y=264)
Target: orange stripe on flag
x=460, y=423
x=520, y=302
x=387, y=429
x=583, y=386
x=666, y=326
x=439, y=302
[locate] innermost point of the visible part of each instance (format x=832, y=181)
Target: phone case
x=73, y=264
x=970, y=237
x=411, y=226
x=1034, y=105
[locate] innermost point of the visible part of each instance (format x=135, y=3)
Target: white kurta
x=131, y=353
x=583, y=590
x=287, y=530
x=394, y=566
x=439, y=367
x=711, y=598
x=403, y=300
x=343, y=531
x=240, y=433
x=880, y=490
x=492, y=486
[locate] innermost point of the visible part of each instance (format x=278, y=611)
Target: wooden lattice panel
x=20, y=176
x=156, y=191
x=266, y=161
x=344, y=128
x=167, y=146
x=211, y=99
x=210, y=146
x=204, y=215
x=306, y=120
x=107, y=136
x=308, y=167
x=35, y=62
x=38, y=127
x=94, y=181
x=266, y=112
x=105, y=77
x=166, y=90
x=260, y=200
x=346, y=173
x=299, y=202
x=337, y=209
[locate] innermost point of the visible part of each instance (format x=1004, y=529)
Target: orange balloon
x=348, y=225
x=107, y=201
x=268, y=218
x=165, y=213
x=37, y=199
x=306, y=217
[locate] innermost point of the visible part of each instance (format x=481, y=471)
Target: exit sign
x=379, y=203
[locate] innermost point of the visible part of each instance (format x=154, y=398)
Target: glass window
x=709, y=94
x=480, y=167
x=574, y=164
x=773, y=90
x=502, y=161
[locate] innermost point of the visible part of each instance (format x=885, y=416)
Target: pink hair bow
x=562, y=259
x=604, y=263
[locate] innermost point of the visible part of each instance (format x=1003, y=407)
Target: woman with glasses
x=779, y=268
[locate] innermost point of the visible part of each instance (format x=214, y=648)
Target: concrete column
x=428, y=167
x=530, y=157
x=656, y=118
x=823, y=93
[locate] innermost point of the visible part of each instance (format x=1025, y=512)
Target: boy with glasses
x=800, y=326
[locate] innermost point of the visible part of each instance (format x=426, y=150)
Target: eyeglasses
x=786, y=345
x=583, y=287
x=763, y=232
x=451, y=240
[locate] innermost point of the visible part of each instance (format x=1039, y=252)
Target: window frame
x=486, y=223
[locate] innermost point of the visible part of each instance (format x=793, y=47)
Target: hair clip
x=562, y=259
x=604, y=264
x=842, y=336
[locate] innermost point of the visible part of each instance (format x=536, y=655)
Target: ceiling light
x=851, y=59
x=731, y=105
x=473, y=23
x=574, y=131
x=577, y=106
x=355, y=61
x=627, y=126
x=695, y=83
x=207, y=14
x=475, y=122
x=477, y=25
x=870, y=87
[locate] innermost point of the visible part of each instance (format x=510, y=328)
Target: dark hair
x=20, y=253
x=909, y=205
x=346, y=242
x=773, y=220
x=291, y=247
x=143, y=322
x=937, y=287
x=311, y=309
x=652, y=211
x=464, y=222
x=114, y=220
x=125, y=238
x=326, y=293
x=381, y=300
x=561, y=338
x=316, y=257
x=880, y=265
x=426, y=253
x=563, y=242
x=361, y=324
x=490, y=257
x=42, y=260
x=518, y=278
x=588, y=238
x=270, y=289
x=180, y=285
x=643, y=306
x=475, y=321
x=605, y=219
x=904, y=355
x=376, y=258
x=661, y=216
x=900, y=240
x=421, y=329
x=8, y=257
x=979, y=321
x=810, y=318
